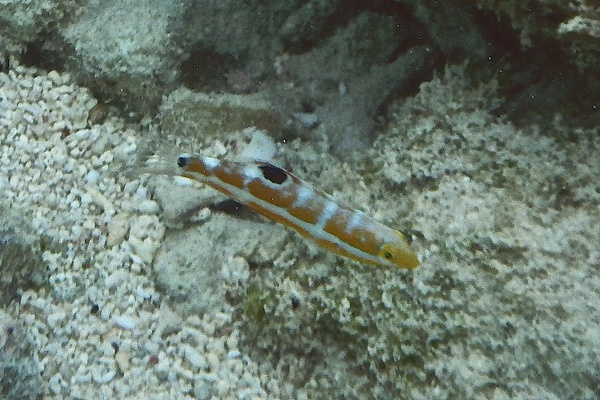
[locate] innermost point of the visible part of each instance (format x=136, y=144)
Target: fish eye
x=182, y=161
x=388, y=255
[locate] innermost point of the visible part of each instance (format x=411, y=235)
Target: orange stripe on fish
x=281, y=196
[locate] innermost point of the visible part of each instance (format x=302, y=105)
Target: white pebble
x=86, y=198
x=233, y=354
x=213, y=361
x=162, y=369
x=81, y=378
x=232, y=341
x=104, y=378
x=143, y=293
x=222, y=387
x=28, y=118
x=92, y=176
x=82, y=134
x=196, y=359
x=136, y=259
x=117, y=229
x=131, y=187
x=124, y=322
x=55, y=383
x=122, y=359
x=54, y=77
x=307, y=119
x=142, y=192
x=115, y=278
x=102, y=201
x=144, y=249
x=202, y=390
x=181, y=181
x=148, y=207
x=54, y=318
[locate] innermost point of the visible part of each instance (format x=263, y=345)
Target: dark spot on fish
x=273, y=173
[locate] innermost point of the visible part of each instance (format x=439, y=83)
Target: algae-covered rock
x=201, y=268
x=503, y=304
x=125, y=49
x=21, y=22
x=186, y=113
x=21, y=263
x=19, y=371
x=574, y=24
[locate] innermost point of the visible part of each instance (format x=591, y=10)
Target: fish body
x=281, y=196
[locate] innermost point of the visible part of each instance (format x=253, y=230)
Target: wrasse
x=282, y=197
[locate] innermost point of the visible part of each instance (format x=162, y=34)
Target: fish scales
x=281, y=196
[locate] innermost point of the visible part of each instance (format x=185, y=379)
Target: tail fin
x=155, y=156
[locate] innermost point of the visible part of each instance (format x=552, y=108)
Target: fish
x=281, y=196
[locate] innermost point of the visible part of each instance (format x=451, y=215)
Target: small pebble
x=86, y=198
x=124, y=322
x=196, y=359
x=122, y=359
x=104, y=378
x=148, y=207
x=92, y=176
x=233, y=354
x=117, y=229
x=213, y=361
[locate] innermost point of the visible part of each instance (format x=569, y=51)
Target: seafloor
x=482, y=144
